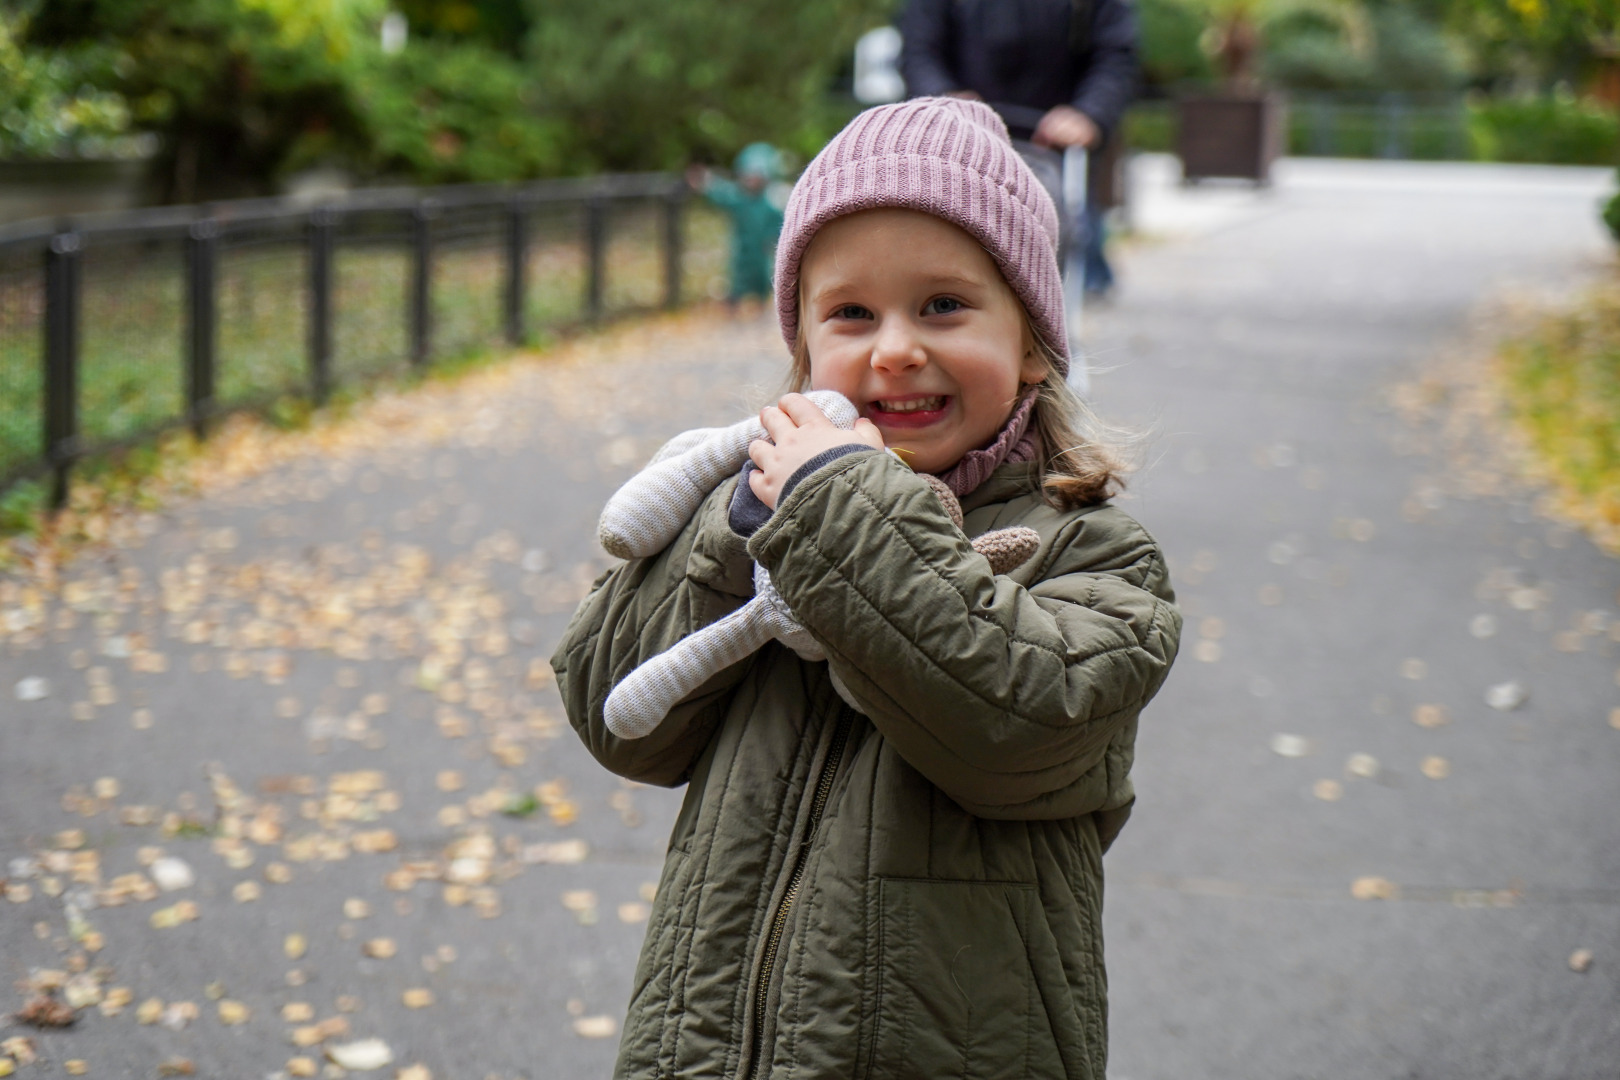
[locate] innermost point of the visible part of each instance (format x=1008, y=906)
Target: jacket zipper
x=778, y=924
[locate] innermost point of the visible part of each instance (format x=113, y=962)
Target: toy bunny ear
x=654, y=505
x=947, y=497
x=1007, y=549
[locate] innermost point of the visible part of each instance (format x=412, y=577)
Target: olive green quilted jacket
x=914, y=889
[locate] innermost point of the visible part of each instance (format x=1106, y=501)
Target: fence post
x=322, y=239
x=595, y=245
x=202, y=248
x=1457, y=134
x=517, y=252
x=422, y=282
x=61, y=360
x=674, y=248
x=1322, y=128
x=1392, y=117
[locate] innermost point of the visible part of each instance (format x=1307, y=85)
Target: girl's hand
x=799, y=431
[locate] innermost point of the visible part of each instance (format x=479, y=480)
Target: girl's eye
x=851, y=311
x=942, y=305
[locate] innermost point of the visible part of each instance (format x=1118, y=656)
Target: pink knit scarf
x=1016, y=442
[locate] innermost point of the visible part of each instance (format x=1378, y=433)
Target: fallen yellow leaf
x=1374, y=888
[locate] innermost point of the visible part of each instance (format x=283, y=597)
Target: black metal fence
x=114, y=327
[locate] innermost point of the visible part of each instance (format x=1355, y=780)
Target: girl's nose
x=896, y=348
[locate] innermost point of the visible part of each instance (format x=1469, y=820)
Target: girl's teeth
x=914, y=405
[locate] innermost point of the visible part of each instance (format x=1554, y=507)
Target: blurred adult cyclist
x=1060, y=72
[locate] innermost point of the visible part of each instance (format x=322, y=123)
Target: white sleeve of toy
x=652, y=507
x=642, y=699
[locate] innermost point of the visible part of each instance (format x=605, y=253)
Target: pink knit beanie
x=946, y=157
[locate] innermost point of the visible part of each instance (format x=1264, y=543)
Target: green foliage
x=243, y=93
x=649, y=85
x=1150, y=126
x=1556, y=129
x=238, y=89
x=443, y=112
x=48, y=107
x=1307, y=52
x=521, y=805
x=1171, y=50
x=1388, y=45
x=1611, y=216
x=1542, y=40
x=500, y=24
x=1563, y=383
x=1414, y=53
x=22, y=508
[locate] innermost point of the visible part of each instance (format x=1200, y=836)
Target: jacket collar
x=1008, y=482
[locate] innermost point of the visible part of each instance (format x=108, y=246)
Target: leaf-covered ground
x=285, y=788
x=285, y=769
x=1563, y=387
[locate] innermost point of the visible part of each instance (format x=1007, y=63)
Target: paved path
x=1325, y=567
x=323, y=678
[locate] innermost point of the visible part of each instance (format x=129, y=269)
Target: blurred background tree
x=238, y=91
x=243, y=94
x=1376, y=45
x=240, y=96
x=644, y=85
x=500, y=24
x=1308, y=45
x=50, y=107
x=1526, y=45
x=1411, y=46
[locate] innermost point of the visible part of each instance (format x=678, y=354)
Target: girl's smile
x=907, y=316
x=907, y=411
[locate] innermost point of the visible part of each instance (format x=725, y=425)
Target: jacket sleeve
x=925, y=33
x=722, y=192
x=1004, y=696
x=1109, y=81
x=636, y=611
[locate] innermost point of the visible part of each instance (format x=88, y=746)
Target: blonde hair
x=1083, y=462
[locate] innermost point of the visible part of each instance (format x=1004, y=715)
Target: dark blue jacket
x=1032, y=53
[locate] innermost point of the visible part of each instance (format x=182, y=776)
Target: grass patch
x=131, y=379
x=1562, y=383
x=133, y=316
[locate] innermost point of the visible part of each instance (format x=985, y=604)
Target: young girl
x=912, y=888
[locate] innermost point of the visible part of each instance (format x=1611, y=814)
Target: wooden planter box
x=1230, y=135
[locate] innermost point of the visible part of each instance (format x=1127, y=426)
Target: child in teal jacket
x=756, y=217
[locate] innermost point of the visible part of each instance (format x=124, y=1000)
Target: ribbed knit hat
x=946, y=157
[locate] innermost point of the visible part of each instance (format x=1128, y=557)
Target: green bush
x=47, y=108
x=1150, y=126
x=443, y=112
x=235, y=90
x=1611, y=216
x=1378, y=48
x=1171, y=53
x=642, y=85
x=1558, y=129
x=241, y=93
x=1563, y=386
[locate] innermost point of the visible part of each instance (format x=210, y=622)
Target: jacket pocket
x=957, y=994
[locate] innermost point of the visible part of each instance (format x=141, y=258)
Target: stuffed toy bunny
x=647, y=513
